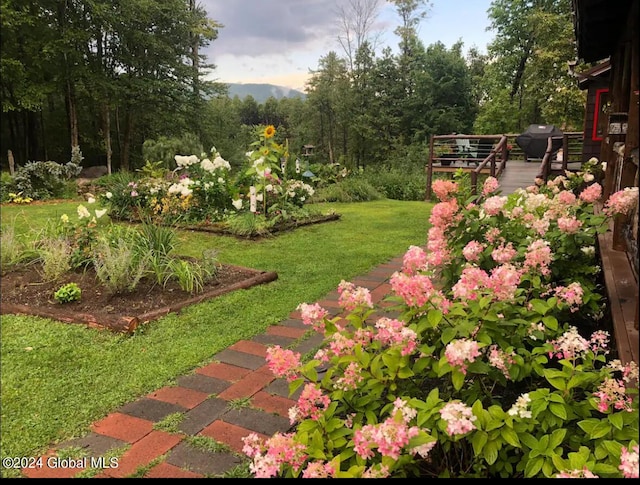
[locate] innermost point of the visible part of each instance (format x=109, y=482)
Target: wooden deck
x=518, y=174
x=622, y=292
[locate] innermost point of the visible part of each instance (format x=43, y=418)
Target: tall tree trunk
x=14, y=137
x=72, y=114
x=126, y=145
x=195, y=61
x=106, y=132
x=42, y=134
x=517, y=80
x=118, y=134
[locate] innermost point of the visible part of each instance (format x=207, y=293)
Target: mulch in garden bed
x=25, y=292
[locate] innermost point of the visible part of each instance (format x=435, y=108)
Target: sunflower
x=269, y=131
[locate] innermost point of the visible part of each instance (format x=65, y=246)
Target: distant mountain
x=261, y=92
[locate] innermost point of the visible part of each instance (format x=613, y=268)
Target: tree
x=356, y=19
x=533, y=42
x=328, y=88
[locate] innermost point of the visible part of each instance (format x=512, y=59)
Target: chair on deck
x=464, y=152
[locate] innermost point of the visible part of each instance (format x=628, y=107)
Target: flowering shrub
x=489, y=359
x=202, y=189
x=270, y=192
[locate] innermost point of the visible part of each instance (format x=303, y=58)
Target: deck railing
x=450, y=153
x=571, y=155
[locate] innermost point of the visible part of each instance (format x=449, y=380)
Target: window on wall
x=601, y=110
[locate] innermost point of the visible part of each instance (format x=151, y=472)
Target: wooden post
x=429, y=171
x=12, y=163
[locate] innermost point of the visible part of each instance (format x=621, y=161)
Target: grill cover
x=533, y=140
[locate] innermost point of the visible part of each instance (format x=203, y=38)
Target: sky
x=280, y=41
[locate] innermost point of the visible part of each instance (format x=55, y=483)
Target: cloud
x=255, y=28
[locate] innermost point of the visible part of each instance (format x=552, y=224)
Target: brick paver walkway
x=226, y=400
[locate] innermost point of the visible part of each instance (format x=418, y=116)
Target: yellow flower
x=269, y=131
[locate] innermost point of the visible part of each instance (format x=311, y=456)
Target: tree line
x=127, y=81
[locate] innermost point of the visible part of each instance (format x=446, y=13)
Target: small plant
x=191, y=276
x=248, y=224
x=19, y=198
x=55, y=254
x=12, y=250
x=117, y=267
x=68, y=293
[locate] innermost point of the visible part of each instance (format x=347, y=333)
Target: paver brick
x=249, y=347
x=203, y=383
x=270, y=340
x=196, y=419
x=257, y=420
x=240, y=359
x=229, y=434
x=286, y=331
x=294, y=322
x=93, y=444
x=272, y=403
x=247, y=387
x=144, y=452
x=182, y=396
x=202, y=462
x=166, y=470
x=226, y=372
x=151, y=409
x=123, y=427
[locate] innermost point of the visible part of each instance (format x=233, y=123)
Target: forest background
x=126, y=82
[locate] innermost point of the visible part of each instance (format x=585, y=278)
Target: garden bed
x=24, y=292
x=223, y=228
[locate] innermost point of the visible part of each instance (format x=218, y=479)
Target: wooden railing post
x=429, y=171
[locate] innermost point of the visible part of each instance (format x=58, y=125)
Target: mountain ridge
x=262, y=91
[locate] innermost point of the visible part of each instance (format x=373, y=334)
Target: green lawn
x=59, y=378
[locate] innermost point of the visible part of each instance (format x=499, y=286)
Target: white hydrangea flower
x=83, y=212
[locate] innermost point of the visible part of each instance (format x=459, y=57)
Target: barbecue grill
x=534, y=139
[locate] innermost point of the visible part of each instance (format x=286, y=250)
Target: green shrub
x=351, y=189
x=68, y=293
x=6, y=186
x=45, y=180
x=408, y=183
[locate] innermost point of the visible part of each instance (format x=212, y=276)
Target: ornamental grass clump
x=490, y=358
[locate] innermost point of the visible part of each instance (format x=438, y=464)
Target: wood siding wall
x=591, y=147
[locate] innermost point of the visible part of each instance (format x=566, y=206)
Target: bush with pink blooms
x=490, y=358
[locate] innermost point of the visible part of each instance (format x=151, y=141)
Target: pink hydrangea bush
x=489, y=358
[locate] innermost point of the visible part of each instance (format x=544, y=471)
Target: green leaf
x=529, y=440
x=558, y=410
x=448, y=334
x=391, y=361
x=616, y=420
x=541, y=307
x=556, y=378
x=557, y=437
x=478, y=440
x=602, y=428
x=490, y=452
x=434, y=317
x=457, y=378
x=550, y=322
x=533, y=467
x=510, y=436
